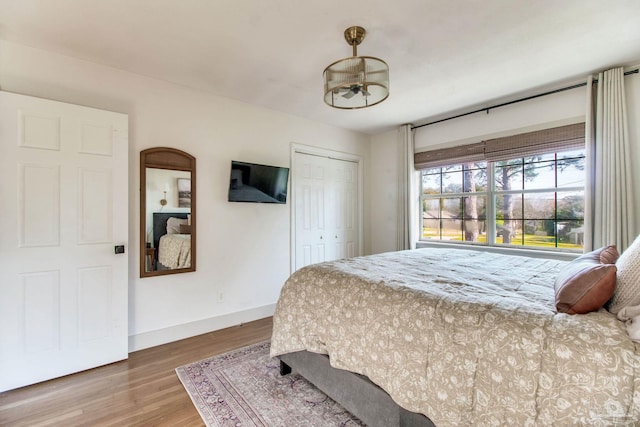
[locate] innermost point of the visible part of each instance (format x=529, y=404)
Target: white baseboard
x=187, y=330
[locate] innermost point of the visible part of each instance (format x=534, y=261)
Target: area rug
x=244, y=388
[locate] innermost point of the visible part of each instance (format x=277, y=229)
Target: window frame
x=490, y=194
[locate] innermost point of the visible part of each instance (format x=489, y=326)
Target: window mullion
x=491, y=204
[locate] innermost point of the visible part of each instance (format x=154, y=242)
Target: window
x=533, y=201
x=523, y=190
x=454, y=202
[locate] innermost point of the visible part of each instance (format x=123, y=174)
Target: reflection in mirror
x=167, y=212
x=168, y=219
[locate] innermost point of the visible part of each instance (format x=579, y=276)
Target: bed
x=457, y=337
x=173, y=249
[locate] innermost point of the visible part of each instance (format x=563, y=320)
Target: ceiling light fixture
x=356, y=81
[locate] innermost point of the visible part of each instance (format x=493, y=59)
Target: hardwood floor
x=141, y=391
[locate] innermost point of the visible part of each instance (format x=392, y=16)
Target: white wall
x=554, y=110
x=243, y=249
x=385, y=163
x=559, y=109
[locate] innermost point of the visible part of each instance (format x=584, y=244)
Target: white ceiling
x=444, y=55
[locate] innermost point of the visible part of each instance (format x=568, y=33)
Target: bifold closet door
x=64, y=192
x=326, y=209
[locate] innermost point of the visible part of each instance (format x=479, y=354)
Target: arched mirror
x=167, y=212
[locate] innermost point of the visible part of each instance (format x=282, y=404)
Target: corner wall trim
x=191, y=329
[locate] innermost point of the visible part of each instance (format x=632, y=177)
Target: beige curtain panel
x=407, y=204
x=610, y=213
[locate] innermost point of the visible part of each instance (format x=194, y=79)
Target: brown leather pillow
x=185, y=229
x=588, y=282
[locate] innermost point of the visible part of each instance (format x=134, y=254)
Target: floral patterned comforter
x=464, y=337
x=175, y=251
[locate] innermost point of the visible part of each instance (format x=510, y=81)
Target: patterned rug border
x=221, y=402
x=193, y=392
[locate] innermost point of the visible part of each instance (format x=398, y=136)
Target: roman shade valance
x=562, y=138
x=449, y=156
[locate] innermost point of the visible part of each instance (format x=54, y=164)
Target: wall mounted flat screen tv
x=250, y=182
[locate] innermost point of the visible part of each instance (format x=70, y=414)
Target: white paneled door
x=64, y=209
x=326, y=209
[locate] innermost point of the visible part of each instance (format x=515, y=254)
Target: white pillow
x=627, y=291
x=173, y=225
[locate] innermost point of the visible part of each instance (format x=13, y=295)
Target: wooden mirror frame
x=171, y=159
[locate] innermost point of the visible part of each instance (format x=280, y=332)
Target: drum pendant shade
x=356, y=81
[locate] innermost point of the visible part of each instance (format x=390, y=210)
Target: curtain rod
x=551, y=92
